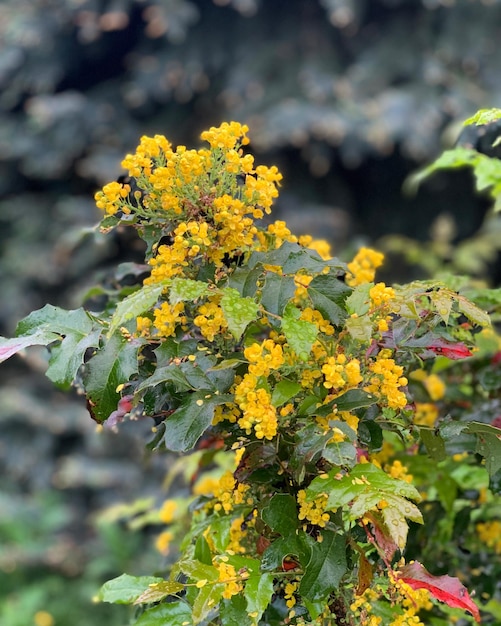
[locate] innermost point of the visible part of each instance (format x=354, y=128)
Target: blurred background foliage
x=347, y=97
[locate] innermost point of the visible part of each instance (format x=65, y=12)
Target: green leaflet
x=191, y=419
x=112, y=366
x=239, y=312
x=364, y=488
x=126, y=589
x=173, y=614
x=136, y=304
x=75, y=331
x=300, y=334
x=186, y=290
x=326, y=567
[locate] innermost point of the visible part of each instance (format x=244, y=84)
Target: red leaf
x=444, y=588
x=450, y=350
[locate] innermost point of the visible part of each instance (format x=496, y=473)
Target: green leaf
x=442, y=301
x=358, y=301
x=202, y=551
x=239, y=312
x=433, y=442
x=483, y=116
x=283, y=391
x=42, y=337
x=234, y=611
x=258, y=592
x=206, y=601
x=328, y=295
x=360, y=328
x=292, y=258
x=473, y=312
x=245, y=280
x=184, y=376
x=74, y=329
x=173, y=614
x=297, y=545
x=488, y=444
x=300, y=334
x=349, y=401
x=186, y=290
x=193, y=417
x=112, y=366
x=281, y=514
x=277, y=291
x=159, y=591
x=135, y=304
x=326, y=567
x=342, y=454
x=126, y=589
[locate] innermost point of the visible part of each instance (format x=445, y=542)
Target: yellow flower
x=490, y=533
x=363, y=267
x=386, y=382
x=228, y=576
x=166, y=513
x=314, y=510
x=426, y=414
x=43, y=618
x=163, y=542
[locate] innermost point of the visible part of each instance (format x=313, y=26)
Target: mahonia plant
x=281, y=367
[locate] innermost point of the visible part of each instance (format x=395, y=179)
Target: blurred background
x=347, y=97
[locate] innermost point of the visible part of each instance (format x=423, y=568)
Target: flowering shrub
x=313, y=394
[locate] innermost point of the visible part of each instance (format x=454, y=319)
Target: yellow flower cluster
x=289, y=591
x=167, y=317
x=380, y=294
x=229, y=493
x=339, y=372
x=210, y=319
x=490, y=534
x=237, y=534
x=387, y=380
x=264, y=357
x=111, y=195
x=228, y=575
x=426, y=414
x=200, y=195
x=256, y=407
x=166, y=513
x=398, y=470
x=163, y=541
x=314, y=510
x=363, y=267
x=315, y=317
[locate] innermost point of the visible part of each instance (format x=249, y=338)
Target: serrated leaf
x=186, y=290
x=326, y=567
x=245, y=280
x=258, y=592
x=191, y=419
x=358, y=301
x=328, y=295
x=442, y=301
x=206, y=601
x=360, y=328
x=74, y=329
x=488, y=444
x=277, y=292
x=239, y=312
x=136, y=304
x=433, y=442
x=283, y=391
x=112, y=366
x=159, y=591
x=342, y=454
x=281, y=514
x=444, y=588
x=126, y=589
x=473, y=312
x=483, y=116
x=300, y=334
x=9, y=347
x=348, y=401
x=234, y=611
x=173, y=614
